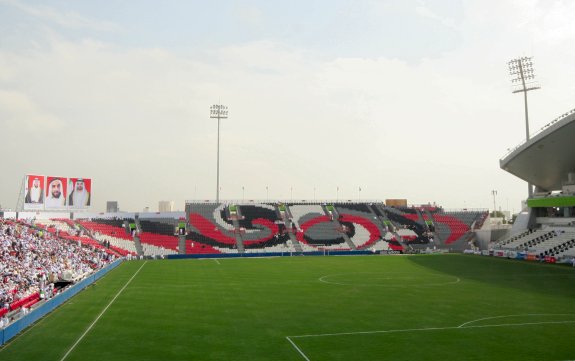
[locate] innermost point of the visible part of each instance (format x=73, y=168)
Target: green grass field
x=443, y=307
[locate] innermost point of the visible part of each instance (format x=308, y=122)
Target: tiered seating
x=209, y=232
x=480, y=220
x=413, y=217
x=388, y=243
x=114, y=228
x=66, y=229
x=522, y=242
x=511, y=238
x=315, y=229
x=158, y=244
x=456, y=227
x=407, y=235
x=157, y=236
x=33, y=261
x=364, y=229
x=468, y=217
x=25, y=302
x=262, y=230
x=566, y=249
x=450, y=227
x=460, y=223
x=112, y=231
x=548, y=241
x=59, y=224
x=551, y=243
x=410, y=231
x=406, y=210
x=193, y=246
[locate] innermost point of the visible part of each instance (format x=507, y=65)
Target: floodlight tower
x=523, y=80
x=494, y=193
x=220, y=112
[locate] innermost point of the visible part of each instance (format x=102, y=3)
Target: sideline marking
x=289, y=338
x=103, y=311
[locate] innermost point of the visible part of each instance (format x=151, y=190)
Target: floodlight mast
x=218, y=111
x=494, y=193
x=523, y=80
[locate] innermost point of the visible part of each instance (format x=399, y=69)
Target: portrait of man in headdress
x=80, y=195
x=35, y=192
x=55, y=193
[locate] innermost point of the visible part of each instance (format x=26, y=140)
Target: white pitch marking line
x=289, y=338
x=215, y=259
x=100, y=315
x=432, y=329
x=463, y=325
x=298, y=349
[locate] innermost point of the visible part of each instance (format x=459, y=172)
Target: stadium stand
x=112, y=232
x=411, y=231
x=547, y=241
x=363, y=227
x=520, y=242
x=158, y=236
x=262, y=229
x=316, y=229
x=209, y=231
x=35, y=263
x=343, y=226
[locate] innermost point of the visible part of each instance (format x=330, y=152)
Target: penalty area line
x=102, y=313
x=298, y=349
x=433, y=329
x=289, y=338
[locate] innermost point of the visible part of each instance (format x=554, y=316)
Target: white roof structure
x=548, y=157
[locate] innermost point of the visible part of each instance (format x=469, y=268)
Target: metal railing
x=545, y=127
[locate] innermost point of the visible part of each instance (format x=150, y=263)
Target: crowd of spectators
x=33, y=261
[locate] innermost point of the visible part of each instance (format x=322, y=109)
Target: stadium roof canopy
x=548, y=157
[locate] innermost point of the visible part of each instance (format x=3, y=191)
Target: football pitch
x=424, y=307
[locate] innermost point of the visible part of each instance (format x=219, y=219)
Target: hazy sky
x=405, y=99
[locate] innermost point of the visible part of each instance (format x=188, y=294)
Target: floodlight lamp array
x=521, y=69
x=218, y=111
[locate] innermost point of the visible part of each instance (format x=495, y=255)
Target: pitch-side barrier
x=37, y=313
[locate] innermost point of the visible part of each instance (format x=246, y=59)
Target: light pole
x=218, y=111
x=243, y=194
x=267, y=194
x=523, y=80
x=337, y=194
x=359, y=193
x=494, y=193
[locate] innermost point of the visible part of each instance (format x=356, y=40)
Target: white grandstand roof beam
x=523, y=80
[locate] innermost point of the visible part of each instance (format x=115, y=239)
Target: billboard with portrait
x=55, y=194
x=79, y=193
x=34, y=191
